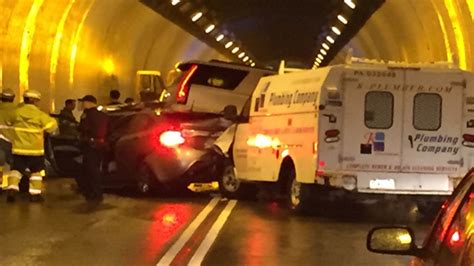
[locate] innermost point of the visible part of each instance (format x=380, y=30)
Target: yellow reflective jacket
x=6, y=111
x=30, y=123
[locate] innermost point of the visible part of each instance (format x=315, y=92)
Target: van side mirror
x=230, y=112
x=392, y=240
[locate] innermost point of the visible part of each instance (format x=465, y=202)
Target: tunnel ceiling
x=268, y=31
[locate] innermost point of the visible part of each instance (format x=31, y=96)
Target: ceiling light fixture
x=241, y=55
x=246, y=59
x=325, y=46
x=252, y=65
x=320, y=56
x=228, y=45
x=210, y=28
x=330, y=39
x=323, y=52
x=350, y=4
x=318, y=60
x=220, y=37
x=175, y=2
x=342, y=19
x=235, y=50
x=196, y=16
x=336, y=30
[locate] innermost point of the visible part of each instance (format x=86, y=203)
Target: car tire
x=147, y=183
x=231, y=187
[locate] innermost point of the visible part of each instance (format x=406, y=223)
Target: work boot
x=36, y=198
x=11, y=196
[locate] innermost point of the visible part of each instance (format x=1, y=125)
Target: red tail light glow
x=183, y=87
x=171, y=138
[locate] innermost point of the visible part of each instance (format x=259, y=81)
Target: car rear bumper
x=184, y=166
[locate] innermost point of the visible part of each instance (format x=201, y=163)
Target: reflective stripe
x=13, y=187
x=40, y=173
x=36, y=178
x=49, y=125
x=27, y=152
x=30, y=130
x=15, y=174
x=35, y=191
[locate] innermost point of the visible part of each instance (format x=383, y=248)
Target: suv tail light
x=183, y=86
x=171, y=138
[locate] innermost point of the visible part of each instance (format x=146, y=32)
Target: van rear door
x=432, y=128
x=372, y=124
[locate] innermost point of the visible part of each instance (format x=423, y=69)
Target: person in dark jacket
x=67, y=122
x=93, y=129
x=114, y=97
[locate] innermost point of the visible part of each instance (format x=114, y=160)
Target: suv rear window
x=218, y=77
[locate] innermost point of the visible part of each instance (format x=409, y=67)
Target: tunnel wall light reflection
x=26, y=42
x=75, y=43
x=53, y=65
x=455, y=16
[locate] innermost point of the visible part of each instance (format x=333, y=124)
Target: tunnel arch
x=417, y=31
x=69, y=48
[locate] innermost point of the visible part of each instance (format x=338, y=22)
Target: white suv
x=211, y=86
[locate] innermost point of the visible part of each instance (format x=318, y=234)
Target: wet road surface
x=190, y=229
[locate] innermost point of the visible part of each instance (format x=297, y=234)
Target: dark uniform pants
x=90, y=182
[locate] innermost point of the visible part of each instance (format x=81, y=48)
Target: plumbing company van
x=369, y=128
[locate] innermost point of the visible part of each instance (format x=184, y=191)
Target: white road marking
x=178, y=245
x=212, y=234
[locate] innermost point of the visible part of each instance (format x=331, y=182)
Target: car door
x=461, y=196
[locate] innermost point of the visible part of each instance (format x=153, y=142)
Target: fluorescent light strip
x=342, y=19
x=235, y=50
x=175, y=2
x=210, y=28
x=336, y=30
x=220, y=37
x=330, y=39
x=229, y=44
x=196, y=16
x=350, y=4
x=325, y=46
x=241, y=55
x=320, y=56
x=322, y=51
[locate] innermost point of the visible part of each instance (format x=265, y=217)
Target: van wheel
x=297, y=194
x=231, y=187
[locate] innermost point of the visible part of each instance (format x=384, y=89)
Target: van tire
x=296, y=194
x=231, y=187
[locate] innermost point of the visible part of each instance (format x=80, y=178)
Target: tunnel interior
x=69, y=48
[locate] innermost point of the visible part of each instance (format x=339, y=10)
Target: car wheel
x=231, y=187
x=147, y=183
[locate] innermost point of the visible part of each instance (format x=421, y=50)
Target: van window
x=378, y=110
x=427, y=111
x=217, y=77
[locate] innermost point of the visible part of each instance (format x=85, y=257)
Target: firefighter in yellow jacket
x=7, y=108
x=29, y=123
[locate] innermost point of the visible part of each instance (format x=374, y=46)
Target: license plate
x=382, y=184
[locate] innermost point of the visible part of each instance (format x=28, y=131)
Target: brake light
x=183, y=86
x=171, y=138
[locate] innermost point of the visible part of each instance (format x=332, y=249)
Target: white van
x=366, y=128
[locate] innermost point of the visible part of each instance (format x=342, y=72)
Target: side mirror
x=392, y=240
x=230, y=112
